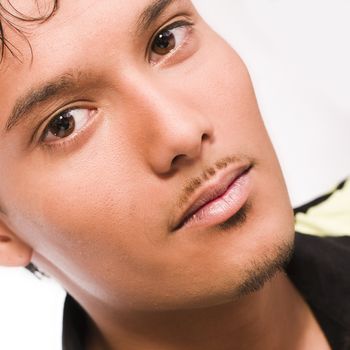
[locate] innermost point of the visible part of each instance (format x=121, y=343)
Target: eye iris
x=62, y=126
x=164, y=43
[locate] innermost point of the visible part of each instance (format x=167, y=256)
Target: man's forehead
x=62, y=20
x=25, y=37
x=52, y=42
x=34, y=20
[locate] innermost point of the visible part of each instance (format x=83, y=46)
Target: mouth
x=219, y=200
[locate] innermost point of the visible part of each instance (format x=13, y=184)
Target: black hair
x=34, y=270
x=9, y=15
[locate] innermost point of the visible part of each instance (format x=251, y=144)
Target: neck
x=268, y=319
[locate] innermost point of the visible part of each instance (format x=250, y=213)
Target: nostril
x=191, y=154
x=177, y=158
x=205, y=137
x=4, y=239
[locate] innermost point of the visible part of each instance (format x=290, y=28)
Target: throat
x=276, y=317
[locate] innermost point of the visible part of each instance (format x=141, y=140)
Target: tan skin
x=93, y=208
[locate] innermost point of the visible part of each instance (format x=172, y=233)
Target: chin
x=255, y=262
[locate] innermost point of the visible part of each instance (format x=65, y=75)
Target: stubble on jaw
x=262, y=271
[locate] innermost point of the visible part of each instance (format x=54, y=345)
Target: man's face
x=135, y=121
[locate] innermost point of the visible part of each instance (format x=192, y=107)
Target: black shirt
x=320, y=269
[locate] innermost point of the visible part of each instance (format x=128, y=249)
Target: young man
x=137, y=171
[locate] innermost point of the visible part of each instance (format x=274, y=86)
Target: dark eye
x=164, y=43
x=62, y=126
x=65, y=124
x=169, y=40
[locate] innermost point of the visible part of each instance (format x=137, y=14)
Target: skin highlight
x=95, y=209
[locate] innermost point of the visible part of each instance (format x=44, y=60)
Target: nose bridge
x=172, y=130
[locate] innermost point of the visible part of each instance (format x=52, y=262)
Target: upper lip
x=215, y=188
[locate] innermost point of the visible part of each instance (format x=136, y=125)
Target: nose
x=174, y=132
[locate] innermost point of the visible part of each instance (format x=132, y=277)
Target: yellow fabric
x=329, y=218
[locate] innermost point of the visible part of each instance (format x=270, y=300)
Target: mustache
x=193, y=184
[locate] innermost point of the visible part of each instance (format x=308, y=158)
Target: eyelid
x=69, y=111
x=45, y=118
x=174, y=54
x=85, y=130
x=172, y=25
x=38, y=133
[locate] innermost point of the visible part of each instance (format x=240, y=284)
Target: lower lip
x=224, y=207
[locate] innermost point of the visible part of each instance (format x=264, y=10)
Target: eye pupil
x=62, y=126
x=164, y=43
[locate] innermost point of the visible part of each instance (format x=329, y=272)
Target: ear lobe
x=13, y=251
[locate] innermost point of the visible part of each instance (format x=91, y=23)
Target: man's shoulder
x=326, y=215
x=319, y=269
x=321, y=263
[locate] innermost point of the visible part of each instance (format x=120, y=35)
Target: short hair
x=9, y=15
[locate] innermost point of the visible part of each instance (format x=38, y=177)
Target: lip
x=223, y=196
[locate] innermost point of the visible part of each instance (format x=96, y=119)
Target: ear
x=13, y=251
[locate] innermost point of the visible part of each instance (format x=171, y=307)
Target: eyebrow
x=60, y=86
x=69, y=81
x=151, y=13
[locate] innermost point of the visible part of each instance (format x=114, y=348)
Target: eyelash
x=66, y=141
x=175, y=25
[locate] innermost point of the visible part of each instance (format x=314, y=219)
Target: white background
x=298, y=55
